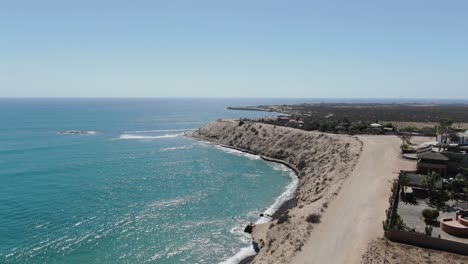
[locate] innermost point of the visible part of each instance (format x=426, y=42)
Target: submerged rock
x=76, y=132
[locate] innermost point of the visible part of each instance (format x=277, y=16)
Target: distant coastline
x=248, y=108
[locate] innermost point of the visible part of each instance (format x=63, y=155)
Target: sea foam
x=176, y=148
x=287, y=195
x=129, y=136
x=239, y=256
x=238, y=153
x=160, y=130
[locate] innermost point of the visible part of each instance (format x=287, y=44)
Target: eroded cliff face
x=322, y=161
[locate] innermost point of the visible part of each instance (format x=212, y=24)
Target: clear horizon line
x=221, y=97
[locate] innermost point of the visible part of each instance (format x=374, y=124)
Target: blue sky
x=349, y=49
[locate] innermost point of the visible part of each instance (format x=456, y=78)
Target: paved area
x=411, y=215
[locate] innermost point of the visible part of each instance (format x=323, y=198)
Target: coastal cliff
x=321, y=161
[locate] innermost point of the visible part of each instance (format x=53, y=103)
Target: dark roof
x=463, y=148
x=416, y=180
x=432, y=156
x=424, y=149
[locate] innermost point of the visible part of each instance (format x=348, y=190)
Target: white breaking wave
x=129, y=136
x=239, y=153
x=279, y=166
x=176, y=148
x=239, y=256
x=285, y=196
x=160, y=130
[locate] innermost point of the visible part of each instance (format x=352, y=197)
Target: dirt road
x=355, y=217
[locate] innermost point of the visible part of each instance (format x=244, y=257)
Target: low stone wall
x=463, y=221
x=447, y=225
x=454, y=227
x=292, y=167
x=424, y=241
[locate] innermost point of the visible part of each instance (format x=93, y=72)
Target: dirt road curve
x=355, y=217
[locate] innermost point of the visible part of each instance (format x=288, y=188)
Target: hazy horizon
x=267, y=100
x=262, y=49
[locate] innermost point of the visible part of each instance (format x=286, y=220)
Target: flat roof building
x=432, y=162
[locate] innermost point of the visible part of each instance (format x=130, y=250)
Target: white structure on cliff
x=463, y=137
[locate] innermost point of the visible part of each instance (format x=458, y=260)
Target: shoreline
x=247, y=108
x=283, y=207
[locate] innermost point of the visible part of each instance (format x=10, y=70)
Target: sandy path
x=355, y=217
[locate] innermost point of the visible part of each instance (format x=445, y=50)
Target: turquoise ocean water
x=133, y=190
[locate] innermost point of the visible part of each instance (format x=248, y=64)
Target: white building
x=463, y=137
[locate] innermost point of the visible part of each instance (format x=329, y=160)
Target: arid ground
x=354, y=218
x=382, y=251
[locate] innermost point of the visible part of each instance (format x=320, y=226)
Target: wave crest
x=239, y=256
x=238, y=153
x=161, y=130
x=176, y=148
x=130, y=136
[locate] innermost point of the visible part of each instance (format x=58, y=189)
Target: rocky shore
x=321, y=161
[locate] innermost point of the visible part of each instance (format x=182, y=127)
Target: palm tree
x=430, y=181
x=445, y=126
x=403, y=181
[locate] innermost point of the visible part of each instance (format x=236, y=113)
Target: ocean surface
x=130, y=190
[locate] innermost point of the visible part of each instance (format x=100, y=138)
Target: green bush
x=314, y=218
x=409, y=129
x=431, y=180
x=442, y=196
x=283, y=218
x=465, y=172
x=301, y=165
x=430, y=215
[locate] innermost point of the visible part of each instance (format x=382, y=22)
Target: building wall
x=426, y=168
x=462, y=139
x=421, y=240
